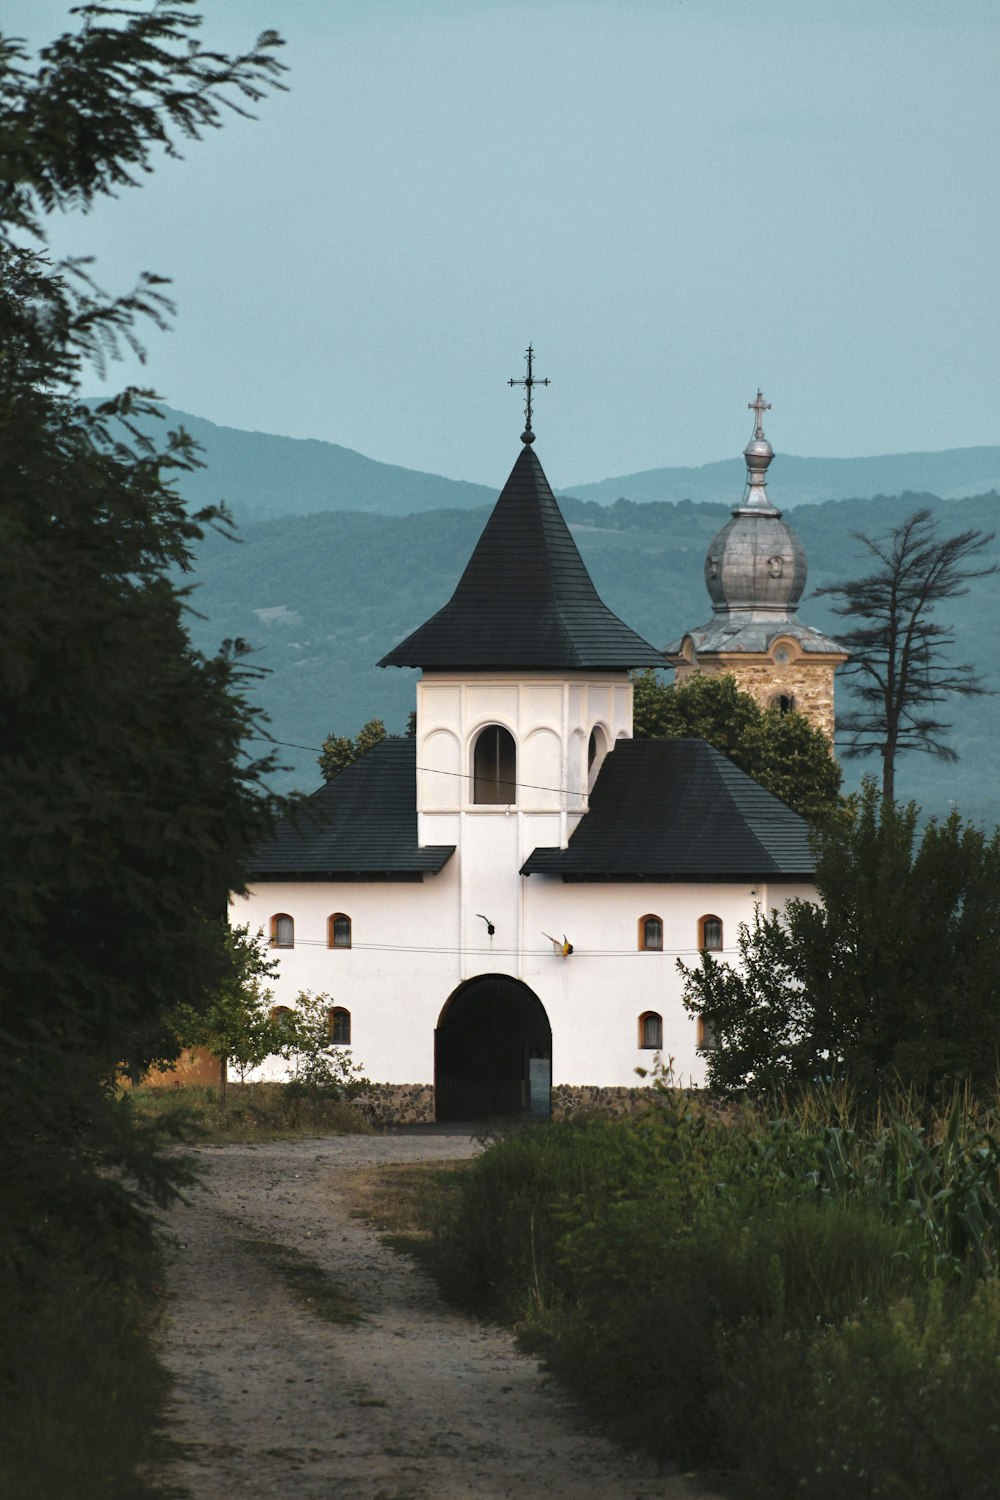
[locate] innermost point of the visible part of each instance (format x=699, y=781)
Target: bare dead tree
x=899, y=654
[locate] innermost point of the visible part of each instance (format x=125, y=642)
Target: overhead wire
x=531, y=786
x=494, y=949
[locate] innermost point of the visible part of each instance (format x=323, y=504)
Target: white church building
x=496, y=905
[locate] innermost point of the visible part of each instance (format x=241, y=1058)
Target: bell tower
x=755, y=572
x=525, y=690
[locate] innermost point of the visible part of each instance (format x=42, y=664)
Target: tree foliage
x=891, y=979
x=105, y=98
x=780, y=750
x=128, y=802
x=340, y=751
x=242, y=1027
x=899, y=666
x=237, y=1025
x=129, y=806
x=320, y=1062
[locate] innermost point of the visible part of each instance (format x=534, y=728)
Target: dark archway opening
x=492, y=1052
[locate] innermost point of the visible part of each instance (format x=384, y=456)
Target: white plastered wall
x=407, y=960
x=596, y=996
x=414, y=942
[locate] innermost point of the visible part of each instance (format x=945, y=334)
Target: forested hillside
x=322, y=597
x=262, y=476
x=795, y=481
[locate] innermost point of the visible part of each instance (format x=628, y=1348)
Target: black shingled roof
x=363, y=824
x=525, y=600
x=679, y=810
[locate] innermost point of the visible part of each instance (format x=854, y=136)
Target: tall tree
x=128, y=802
x=237, y=1025
x=340, y=751
x=129, y=805
x=780, y=750
x=890, y=979
x=899, y=665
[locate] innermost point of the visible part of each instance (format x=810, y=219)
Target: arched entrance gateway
x=492, y=1051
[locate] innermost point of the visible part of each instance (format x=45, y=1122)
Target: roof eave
x=403, y=870
x=673, y=877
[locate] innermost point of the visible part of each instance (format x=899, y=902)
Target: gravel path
x=413, y=1402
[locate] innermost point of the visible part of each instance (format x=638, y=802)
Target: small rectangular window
x=340, y=1027
x=282, y=931
x=652, y=933
x=712, y=934
x=651, y=1031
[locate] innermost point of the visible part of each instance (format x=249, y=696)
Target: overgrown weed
x=765, y=1290
x=252, y=1112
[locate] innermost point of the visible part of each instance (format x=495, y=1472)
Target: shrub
x=763, y=1294
x=901, y=1403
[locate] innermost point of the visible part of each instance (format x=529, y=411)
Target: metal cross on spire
x=529, y=383
x=760, y=406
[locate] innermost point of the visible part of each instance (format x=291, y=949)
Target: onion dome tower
x=755, y=573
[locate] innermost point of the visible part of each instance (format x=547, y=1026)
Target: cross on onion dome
x=760, y=406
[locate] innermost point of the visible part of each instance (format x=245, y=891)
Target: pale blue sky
x=675, y=201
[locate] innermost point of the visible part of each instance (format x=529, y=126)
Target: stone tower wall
x=808, y=681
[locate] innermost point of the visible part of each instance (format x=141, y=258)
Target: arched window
x=597, y=749
x=710, y=933
x=282, y=931
x=282, y=1017
x=494, y=767
x=338, y=930
x=651, y=1031
x=651, y=933
x=783, y=702
x=340, y=1026
x=706, y=1035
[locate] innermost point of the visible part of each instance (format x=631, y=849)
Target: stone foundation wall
x=413, y=1103
x=397, y=1104
x=580, y=1098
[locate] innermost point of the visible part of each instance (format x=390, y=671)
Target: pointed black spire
x=525, y=600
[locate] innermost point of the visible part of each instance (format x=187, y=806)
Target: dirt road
x=410, y=1401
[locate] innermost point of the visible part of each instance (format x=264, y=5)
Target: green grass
x=403, y=1201
x=252, y=1112
x=308, y=1283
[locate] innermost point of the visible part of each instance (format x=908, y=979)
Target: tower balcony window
x=597, y=749
x=494, y=767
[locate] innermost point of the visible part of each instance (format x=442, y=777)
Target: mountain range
x=339, y=557
x=262, y=476
x=796, y=481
